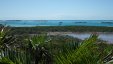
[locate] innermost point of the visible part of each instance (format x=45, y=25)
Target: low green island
x=40, y=29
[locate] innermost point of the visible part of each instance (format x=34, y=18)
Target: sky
x=56, y=9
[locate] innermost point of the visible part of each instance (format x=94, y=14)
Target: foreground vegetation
x=44, y=49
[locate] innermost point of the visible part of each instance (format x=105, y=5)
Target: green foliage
x=37, y=45
x=86, y=53
x=43, y=49
x=41, y=29
x=5, y=60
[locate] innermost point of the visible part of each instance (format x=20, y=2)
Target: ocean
x=31, y=23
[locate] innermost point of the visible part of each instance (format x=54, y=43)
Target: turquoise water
x=29, y=23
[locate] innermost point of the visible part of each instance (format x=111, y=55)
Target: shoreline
x=105, y=36
x=59, y=33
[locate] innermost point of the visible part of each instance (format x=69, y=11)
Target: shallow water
x=103, y=36
x=29, y=23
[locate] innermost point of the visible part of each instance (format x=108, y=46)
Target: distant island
x=80, y=22
x=107, y=22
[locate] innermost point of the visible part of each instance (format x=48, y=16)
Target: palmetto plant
x=6, y=42
x=38, y=46
x=39, y=50
x=9, y=51
x=5, y=39
x=87, y=53
x=34, y=53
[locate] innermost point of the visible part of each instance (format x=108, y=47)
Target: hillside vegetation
x=44, y=49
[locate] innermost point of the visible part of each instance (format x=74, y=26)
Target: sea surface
x=30, y=23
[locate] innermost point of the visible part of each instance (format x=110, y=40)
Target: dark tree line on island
x=41, y=29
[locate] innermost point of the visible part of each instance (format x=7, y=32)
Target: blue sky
x=56, y=9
